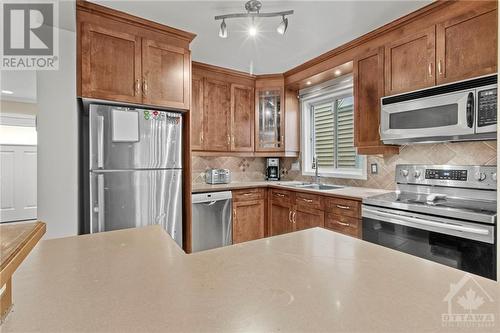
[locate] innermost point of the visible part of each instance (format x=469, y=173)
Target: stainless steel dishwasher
x=212, y=220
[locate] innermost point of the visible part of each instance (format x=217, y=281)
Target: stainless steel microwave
x=460, y=111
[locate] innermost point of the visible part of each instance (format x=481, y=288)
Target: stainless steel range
x=443, y=213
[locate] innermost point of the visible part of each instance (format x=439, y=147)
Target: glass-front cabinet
x=269, y=119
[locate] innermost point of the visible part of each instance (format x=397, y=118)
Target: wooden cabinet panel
x=344, y=207
x=166, y=72
x=344, y=224
x=269, y=118
x=248, y=220
x=467, y=46
x=280, y=216
x=110, y=64
x=308, y=200
x=197, y=115
x=249, y=194
x=305, y=218
x=368, y=74
x=409, y=62
x=242, y=118
x=216, y=115
x=282, y=196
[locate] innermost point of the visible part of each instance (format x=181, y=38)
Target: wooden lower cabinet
x=308, y=218
x=280, y=218
x=344, y=224
x=248, y=220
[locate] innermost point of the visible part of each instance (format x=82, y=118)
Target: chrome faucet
x=316, y=169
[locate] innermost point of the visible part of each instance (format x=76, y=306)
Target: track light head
x=282, y=26
x=223, y=30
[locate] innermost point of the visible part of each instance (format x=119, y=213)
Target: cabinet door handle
x=307, y=200
x=137, y=87
x=440, y=70
x=201, y=136
x=246, y=193
x=290, y=216
x=229, y=139
x=430, y=69
x=343, y=207
x=279, y=195
x=343, y=224
x=145, y=87
x=294, y=216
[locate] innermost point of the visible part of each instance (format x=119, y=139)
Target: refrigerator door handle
x=100, y=203
x=100, y=142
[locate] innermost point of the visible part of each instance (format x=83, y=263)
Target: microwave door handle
x=470, y=110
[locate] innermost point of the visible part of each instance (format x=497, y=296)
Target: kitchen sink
x=313, y=186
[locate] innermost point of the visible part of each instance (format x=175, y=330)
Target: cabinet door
x=409, y=62
x=269, y=120
x=248, y=220
x=166, y=71
x=467, y=46
x=344, y=224
x=242, y=118
x=111, y=64
x=216, y=116
x=304, y=218
x=196, y=112
x=280, y=219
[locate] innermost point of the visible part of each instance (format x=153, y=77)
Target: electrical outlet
x=374, y=168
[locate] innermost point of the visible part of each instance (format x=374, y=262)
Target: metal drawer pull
x=343, y=224
x=307, y=200
x=343, y=207
x=279, y=195
x=247, y=193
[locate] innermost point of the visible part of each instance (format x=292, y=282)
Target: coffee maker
x=273, y=168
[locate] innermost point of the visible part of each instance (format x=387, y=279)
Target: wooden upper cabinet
x=110, y=64
x=467, y=46
x=197, y=115
x=368, y=74
x=166, y=74
x=242, y=118
x=410, y=62
x=269, y=119
x=216, y=118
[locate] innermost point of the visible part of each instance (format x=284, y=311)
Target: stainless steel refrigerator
x=134, y=160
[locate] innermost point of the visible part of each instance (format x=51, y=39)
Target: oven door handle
x=430, y=223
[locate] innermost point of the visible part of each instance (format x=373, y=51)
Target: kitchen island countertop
x=311, y=280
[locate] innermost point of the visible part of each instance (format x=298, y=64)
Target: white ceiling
x=314, y=28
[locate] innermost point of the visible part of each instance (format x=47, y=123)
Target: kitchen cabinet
x=368, y=74
x=197, y=112
x=242, y=118
x=124, y=58
x=110, y=63
x=249, y=215
x=466, y=46
x=269, y=119
x=305, y=218
x=216, y=120
x=345, y=225
x=280, y=212
x=410, y=62
x=166, y=74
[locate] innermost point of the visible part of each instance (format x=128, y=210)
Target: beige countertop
x=351, y=192
x=312, y=280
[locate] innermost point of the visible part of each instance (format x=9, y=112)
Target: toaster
x=218, y=176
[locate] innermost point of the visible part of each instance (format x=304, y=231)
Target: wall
x=242, y=168
x=58, y=137
x=22, y=108
x=463, y=153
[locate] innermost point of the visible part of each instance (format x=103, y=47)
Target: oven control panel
x=460, y=175
x=464, y=176
x=487, y=107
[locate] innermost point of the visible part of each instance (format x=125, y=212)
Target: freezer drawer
x=129, y=199
x=127, y=138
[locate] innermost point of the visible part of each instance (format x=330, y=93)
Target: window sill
x=338, y=174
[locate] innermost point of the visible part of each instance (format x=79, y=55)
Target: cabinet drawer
x=343, y=207
x=248, y=194
x=309, y=200
x=281, y=196
x=343, y=224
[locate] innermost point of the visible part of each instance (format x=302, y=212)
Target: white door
x=17, y=182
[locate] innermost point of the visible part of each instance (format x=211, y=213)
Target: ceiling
x=314, y=28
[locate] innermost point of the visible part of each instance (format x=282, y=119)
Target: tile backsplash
x=460, y=153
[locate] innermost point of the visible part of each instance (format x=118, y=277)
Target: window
x=328, y=132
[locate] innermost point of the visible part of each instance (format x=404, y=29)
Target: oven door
x=463, y=245
x=430, y=117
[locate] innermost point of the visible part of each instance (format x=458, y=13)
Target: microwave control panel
x=487, y=107
x=446, y=174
